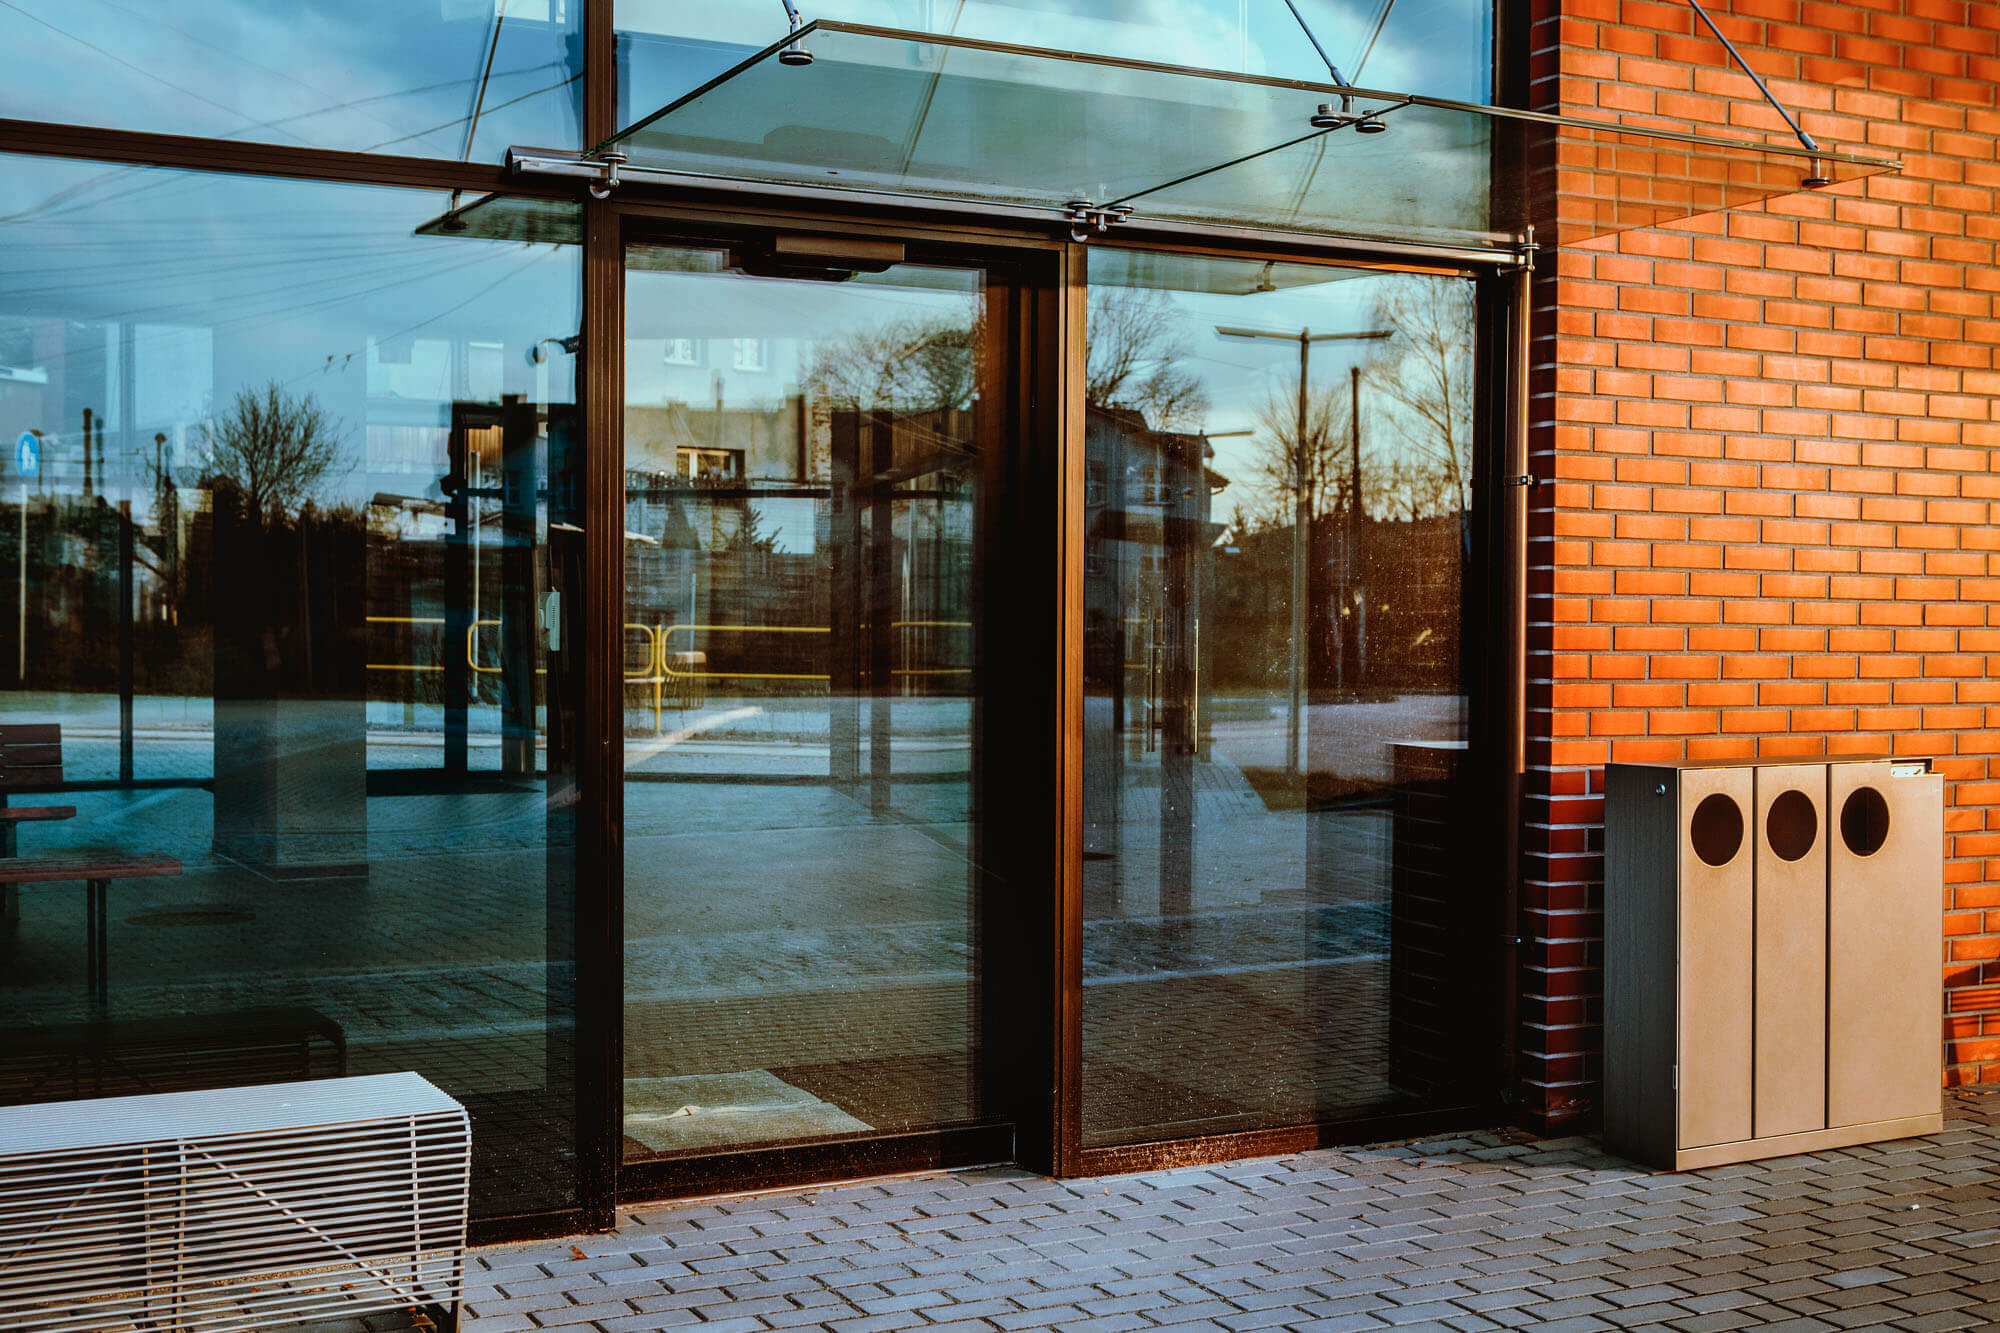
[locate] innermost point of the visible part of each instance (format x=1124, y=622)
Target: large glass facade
x=294, y=681
x=281, y=482
x=457, y=79
x=806, y=462
x=1278, y=928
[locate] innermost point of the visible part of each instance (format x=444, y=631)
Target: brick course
x=1774, y=438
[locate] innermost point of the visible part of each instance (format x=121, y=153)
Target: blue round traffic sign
x=28, y=453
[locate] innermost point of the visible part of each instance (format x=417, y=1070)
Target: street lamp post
x=1301, y=517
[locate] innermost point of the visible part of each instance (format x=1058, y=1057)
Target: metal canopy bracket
x=610, y=160
x=1086, y=218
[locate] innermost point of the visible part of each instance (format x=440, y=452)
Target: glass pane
x=805, y=462
x=1279, y=905
x=882, y=110
x=457, y=79
x=274, y=575
x=1439, y=47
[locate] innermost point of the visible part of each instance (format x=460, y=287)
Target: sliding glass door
x=810, y=442
x=1286, y=919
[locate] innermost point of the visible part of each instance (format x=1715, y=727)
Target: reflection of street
x=774, y=921
x=1266, y=999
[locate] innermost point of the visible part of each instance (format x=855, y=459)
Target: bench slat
x=22, y=814
x=84, y=865
x=30, y=756
x=30, y=733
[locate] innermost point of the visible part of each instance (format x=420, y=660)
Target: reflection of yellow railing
x=471, y=646
x=671, y=630
x=657, y=672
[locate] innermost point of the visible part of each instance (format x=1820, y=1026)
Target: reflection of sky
x=221, y=283
x=1242, y=376
x=400, y=76
x=1439, y=47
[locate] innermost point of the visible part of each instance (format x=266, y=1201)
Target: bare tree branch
x=272, y=448
x=1136, y=339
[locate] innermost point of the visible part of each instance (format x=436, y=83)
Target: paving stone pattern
x=1480, y=1231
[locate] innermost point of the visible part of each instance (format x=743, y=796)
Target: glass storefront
x=736, y=689
x=282, y=481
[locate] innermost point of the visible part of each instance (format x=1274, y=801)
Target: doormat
x=726, y=1110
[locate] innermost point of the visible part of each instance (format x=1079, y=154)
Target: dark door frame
x=1023, y=683
x=1038, y=936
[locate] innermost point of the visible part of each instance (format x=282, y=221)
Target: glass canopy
x=917, y=114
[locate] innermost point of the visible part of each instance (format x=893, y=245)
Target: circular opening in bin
x=1791, y=826
x=1864, y=821
x=1716, y=829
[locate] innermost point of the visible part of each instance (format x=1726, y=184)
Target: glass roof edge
x=1501, y=248
x=1264, y=80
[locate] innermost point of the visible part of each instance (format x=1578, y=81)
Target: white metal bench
x=234, y=1208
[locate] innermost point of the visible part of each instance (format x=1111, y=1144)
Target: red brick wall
x=1774, y=436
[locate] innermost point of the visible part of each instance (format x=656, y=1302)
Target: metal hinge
x=607, y=180
x=1528, y=479
x=1086, y=217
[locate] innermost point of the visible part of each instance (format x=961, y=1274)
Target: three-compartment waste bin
x=1773, y=957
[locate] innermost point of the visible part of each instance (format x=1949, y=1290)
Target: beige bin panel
x=1715, y=963
x=1791, y=949
x=1885, y=933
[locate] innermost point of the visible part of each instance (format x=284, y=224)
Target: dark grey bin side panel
x=1641, y=849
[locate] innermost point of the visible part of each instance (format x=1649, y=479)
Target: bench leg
x=98, y=944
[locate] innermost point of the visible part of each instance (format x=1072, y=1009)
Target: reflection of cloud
x=1438, y=47
x=327, y=75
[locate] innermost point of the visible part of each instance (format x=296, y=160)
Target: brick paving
x=1489, y=1230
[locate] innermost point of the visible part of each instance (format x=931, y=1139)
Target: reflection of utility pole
x=21, y=668
x=1357, y=609
x=1301, y=518
x=125, y=557
x=86, y=453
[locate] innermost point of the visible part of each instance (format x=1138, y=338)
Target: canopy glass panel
x=915, y=114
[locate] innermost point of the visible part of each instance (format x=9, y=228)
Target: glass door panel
x=1282, y=908
x=806, y=451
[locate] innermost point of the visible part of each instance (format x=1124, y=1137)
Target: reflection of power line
x=178, y=178
x=140, y=70
x=1381, y=20
x=448, y=310
x=498, y=106
x=232, y=57
x=291, y=306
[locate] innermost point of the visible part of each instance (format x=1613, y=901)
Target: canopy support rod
x=1325, y=59
x=1744, y=65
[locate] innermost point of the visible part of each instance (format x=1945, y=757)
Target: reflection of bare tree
x=1290, y=470
x=1137, y=338
x=1429, y=380
x=915, y=364
x=272, y=449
